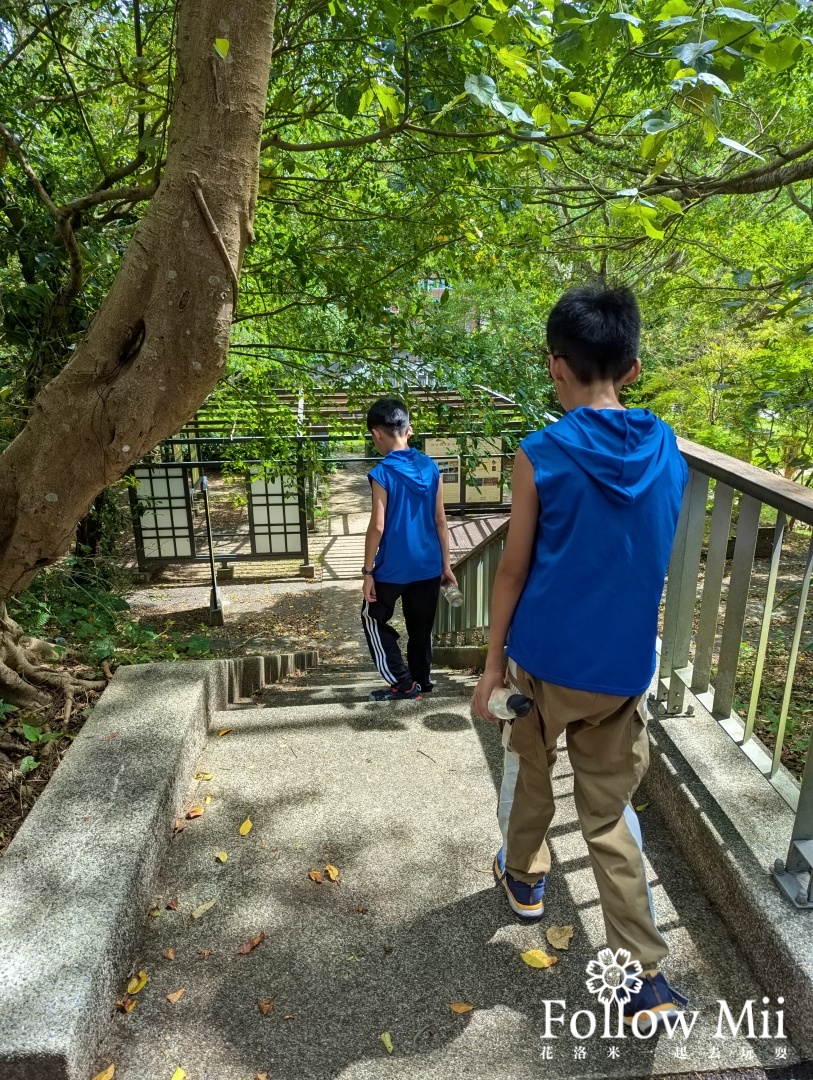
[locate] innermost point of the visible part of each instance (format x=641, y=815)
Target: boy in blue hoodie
x=596, y=498
x=406, y=554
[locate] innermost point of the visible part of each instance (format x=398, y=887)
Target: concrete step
x=325, y=688
x=402, y=799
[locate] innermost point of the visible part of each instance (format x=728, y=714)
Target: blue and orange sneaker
x=657, y=999
x=527, y=901
x=393, y=693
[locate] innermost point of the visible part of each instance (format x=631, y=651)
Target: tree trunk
x=160, y=340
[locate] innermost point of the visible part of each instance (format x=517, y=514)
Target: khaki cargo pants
x=608, y=747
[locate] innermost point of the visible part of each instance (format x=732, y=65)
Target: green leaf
x=481, y=87
x=482, y=25
x=735, y=15
x=672, y=8
x=388, y=100
x=28, y=764
x=650, y=230
x=222, y=47
x=670, y=204
x=739, y=147
x=782, y=53
x=584, y=102
x=689, y=52
x=30, y=732
x=633, y=20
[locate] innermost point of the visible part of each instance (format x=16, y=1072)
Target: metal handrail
x=692, y=651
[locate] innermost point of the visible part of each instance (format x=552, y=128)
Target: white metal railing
x=723, y=504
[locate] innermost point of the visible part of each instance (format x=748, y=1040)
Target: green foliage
x=94, y=621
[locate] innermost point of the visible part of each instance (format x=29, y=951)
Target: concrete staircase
x=401, y=798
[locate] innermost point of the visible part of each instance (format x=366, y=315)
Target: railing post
x=712, y=586
x=762, y=648
x=681, y=590
x=739, y=584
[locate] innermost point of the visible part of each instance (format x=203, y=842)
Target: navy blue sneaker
x=656, y=998
x=392, y=693
x=527, y=901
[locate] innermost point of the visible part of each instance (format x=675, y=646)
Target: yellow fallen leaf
x=176, y=997
x=223, y=731
x=266, y=1006
x=288, y=1016
x=246, y=827
x=261, y=1076
x=559, y=936
x=386, y=1038
x=221, y=856
x=332, y=872
x=106, y=1074
x=127, y=1004
x=203, y=776
x=179, y=1074
x=641, y=806
x=169, y=954
x=538, y=958
x=196, y=811
x=138, y=982
x=317, y=876
x=461, y=1007
x=203, y=908
x=208, y=798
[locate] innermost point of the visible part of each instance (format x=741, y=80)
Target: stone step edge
x=77, y=878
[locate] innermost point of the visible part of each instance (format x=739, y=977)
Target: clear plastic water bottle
x=507, y=704
x=452, y=595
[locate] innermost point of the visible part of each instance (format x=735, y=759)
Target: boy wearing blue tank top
x=406, y=554
x=596, y=498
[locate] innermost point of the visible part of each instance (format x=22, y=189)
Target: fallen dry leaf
x=360, y=909
x=317, y=876
x=172, y=905
x=246, y=827
x=461, y=1007
x=288, y=1016
x=223, y=731
x=261, y=1076
x=538, y=958
x=203, y=908
x=641, y=806
x=106, y=1074
x=332, y=872
x=559, y=936
x=386, y=1038
x=205, y=953
x=266, y=1006
x=203, y=776
x=169, y=954
x=208, y=798
x=221, y=856
x=178, y=826
x=196, y=811
x=247, y=946
x=127, y=1004
x=138, y=982
x=176, y=997
x=155, y=912
x=179, y=1074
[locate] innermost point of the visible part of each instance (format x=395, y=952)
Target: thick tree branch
x=137, y=193
x=794, y=198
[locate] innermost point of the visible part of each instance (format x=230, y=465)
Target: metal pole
x=216, y=616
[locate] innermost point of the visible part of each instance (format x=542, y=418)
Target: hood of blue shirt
x=623, y=450
x=414, y=468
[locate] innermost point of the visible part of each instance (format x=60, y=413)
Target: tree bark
x=160, y=340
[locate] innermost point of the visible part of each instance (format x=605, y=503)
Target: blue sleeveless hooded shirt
x=610, y=486
x=409, y=549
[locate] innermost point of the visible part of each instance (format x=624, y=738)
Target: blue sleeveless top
x=610, y=486
x=409, y=549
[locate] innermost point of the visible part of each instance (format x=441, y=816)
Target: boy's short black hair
x=388, y=413
x=597, y=331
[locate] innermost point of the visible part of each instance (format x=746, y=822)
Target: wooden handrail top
x=501, y=528
x=794, y=499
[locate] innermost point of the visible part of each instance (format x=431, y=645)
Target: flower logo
x=613, y=977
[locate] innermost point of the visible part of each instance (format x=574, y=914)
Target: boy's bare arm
x=375, y=530
x=510, y=579
x=447, y=577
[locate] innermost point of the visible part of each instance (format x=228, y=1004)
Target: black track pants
x=419, y=600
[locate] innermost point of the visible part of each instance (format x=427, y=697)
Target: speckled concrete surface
x=402, y=801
